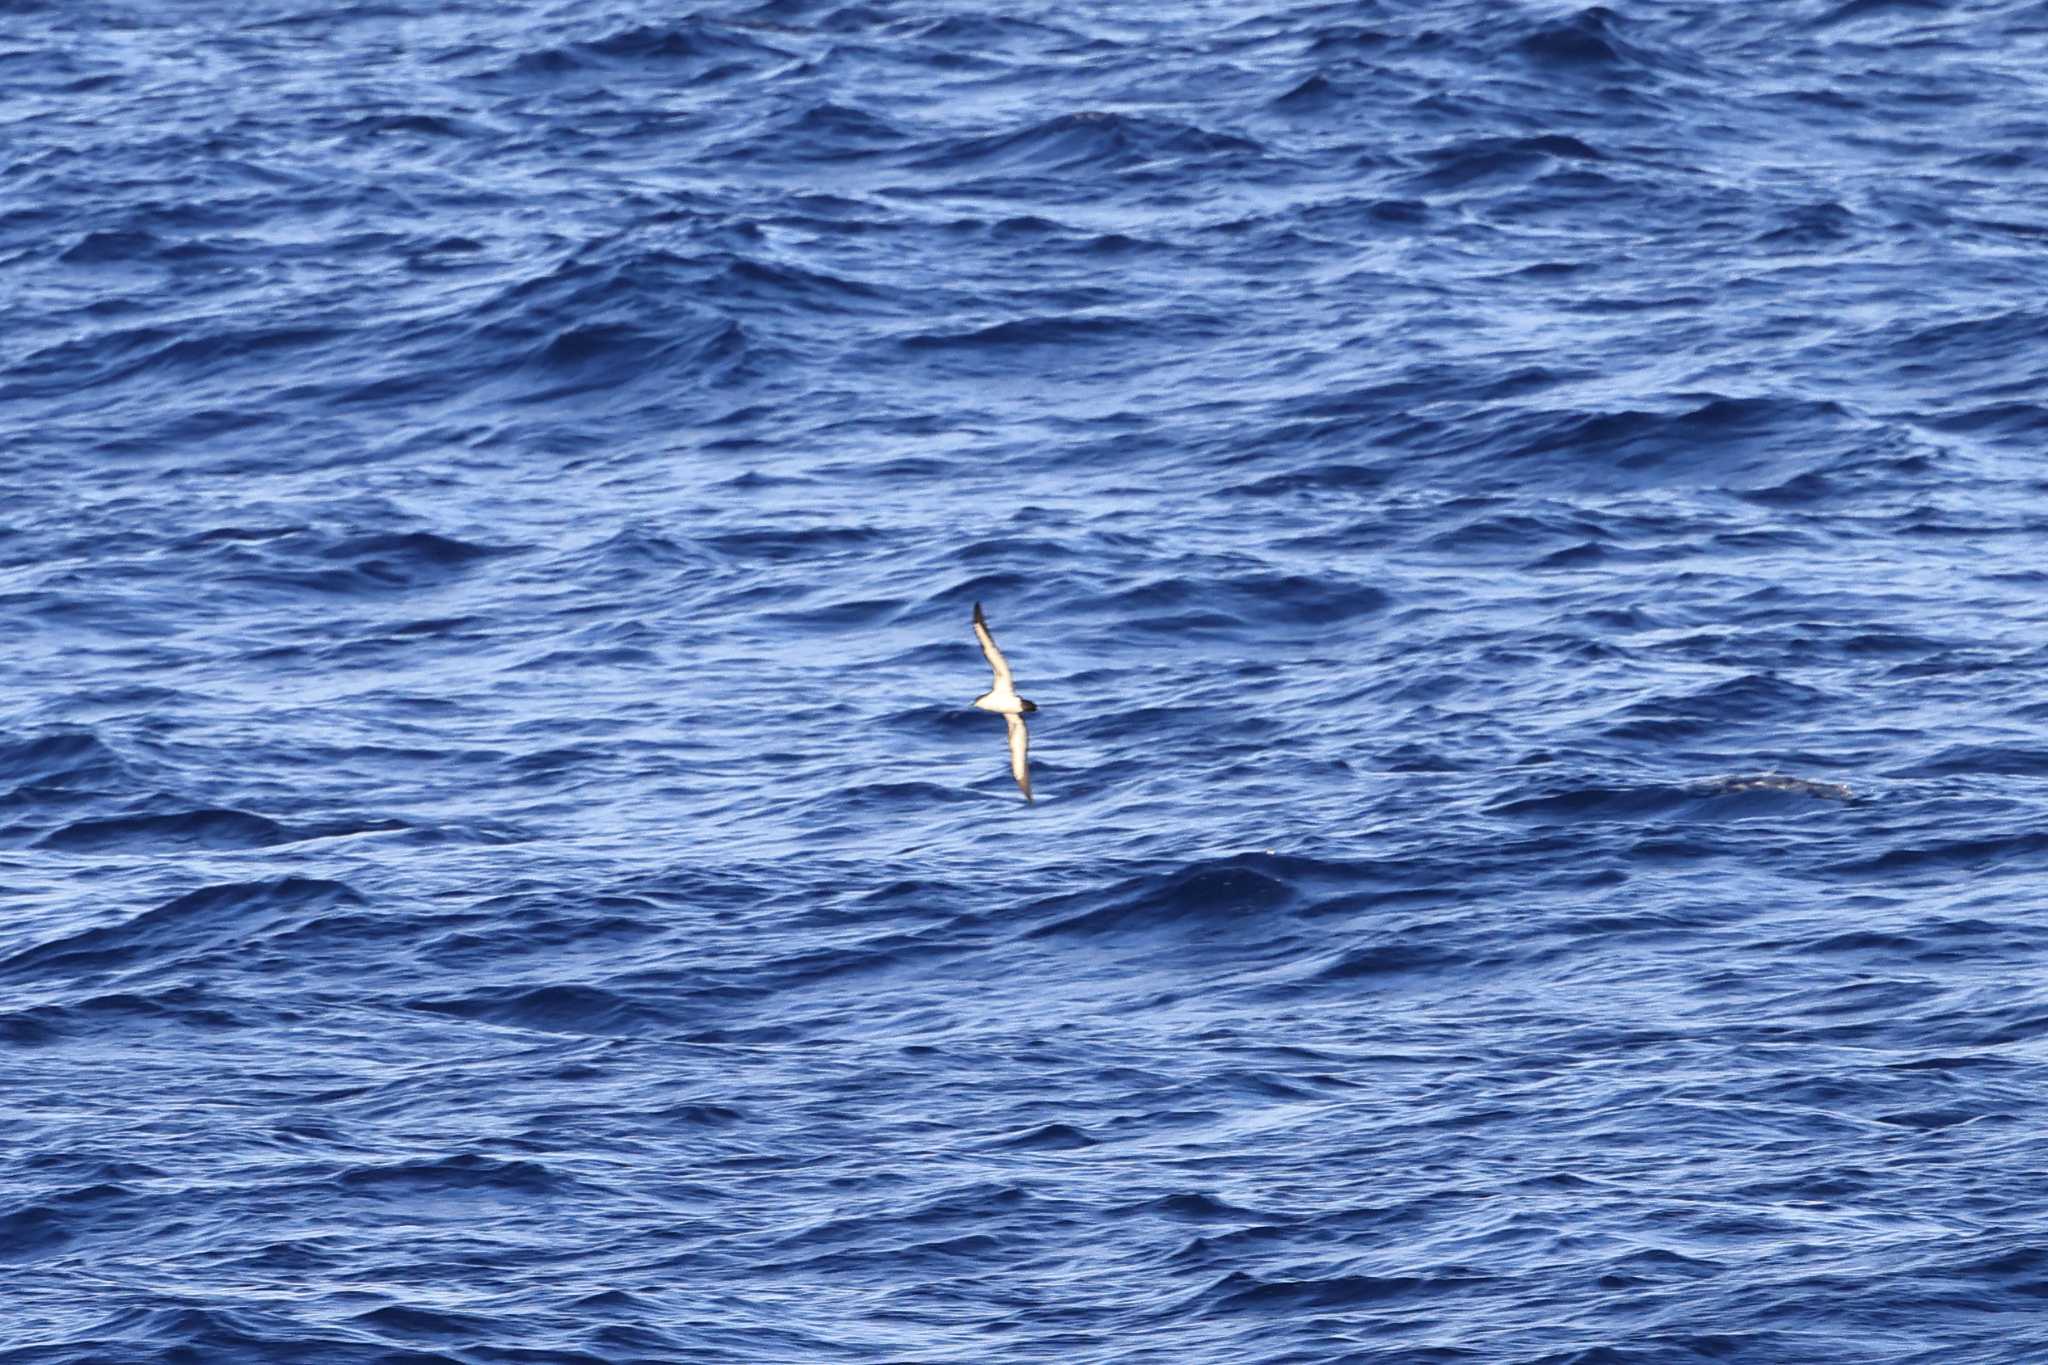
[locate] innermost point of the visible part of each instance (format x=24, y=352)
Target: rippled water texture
x=1525, y=524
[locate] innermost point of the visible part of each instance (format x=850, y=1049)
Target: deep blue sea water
x=1527, y=524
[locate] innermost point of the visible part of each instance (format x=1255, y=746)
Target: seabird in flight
x=1004, y=701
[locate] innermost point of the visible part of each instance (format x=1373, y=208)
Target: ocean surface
x=1526, y=524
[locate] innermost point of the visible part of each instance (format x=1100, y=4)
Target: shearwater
x=1004, y=701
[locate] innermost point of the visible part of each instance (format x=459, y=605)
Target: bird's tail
x=1027, y=705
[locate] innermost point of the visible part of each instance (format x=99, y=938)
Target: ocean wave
x=1521, y=524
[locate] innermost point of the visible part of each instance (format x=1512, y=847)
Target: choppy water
x=495, y=860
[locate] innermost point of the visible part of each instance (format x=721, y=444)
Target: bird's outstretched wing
x=992, y=654
x=1020, y=753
